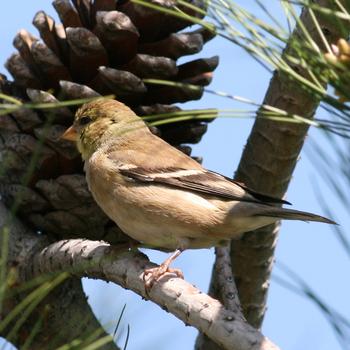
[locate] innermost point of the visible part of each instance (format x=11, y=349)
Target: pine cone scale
x=102, y=47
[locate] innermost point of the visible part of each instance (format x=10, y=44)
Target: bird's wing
x=198, y=180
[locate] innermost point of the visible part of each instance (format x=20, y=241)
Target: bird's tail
x=291, y=214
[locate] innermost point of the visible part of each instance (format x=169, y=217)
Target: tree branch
x=100, y=260
x=66, y=302
x=223, y=287
x=269, y=171
x=32, y=256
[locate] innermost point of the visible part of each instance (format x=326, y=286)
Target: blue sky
x=311, y=250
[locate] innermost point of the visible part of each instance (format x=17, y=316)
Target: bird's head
x=100, y=121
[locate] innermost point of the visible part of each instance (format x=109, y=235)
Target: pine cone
x=102, y=47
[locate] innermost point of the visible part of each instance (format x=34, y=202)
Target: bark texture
x=65, y=309
x=266, y=166
x=32, y=256
x=98, y=259
x=224, y=288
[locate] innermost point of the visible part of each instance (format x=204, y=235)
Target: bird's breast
x=154, y=214
x=167, y=217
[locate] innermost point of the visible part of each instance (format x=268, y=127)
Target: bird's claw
x=156, y=273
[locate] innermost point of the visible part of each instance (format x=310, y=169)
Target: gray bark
x=266, y=166
x=98, y=259
x=64, y=309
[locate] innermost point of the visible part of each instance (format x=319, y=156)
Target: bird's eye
x=84, y=120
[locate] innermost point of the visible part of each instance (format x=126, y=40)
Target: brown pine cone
x=102, y=47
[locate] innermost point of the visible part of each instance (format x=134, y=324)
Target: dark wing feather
x=205, y=182
x=262, y=197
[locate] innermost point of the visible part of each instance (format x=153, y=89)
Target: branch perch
x=98, y=259
x=66, y=302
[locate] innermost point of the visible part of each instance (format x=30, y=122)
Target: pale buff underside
x=165, y=217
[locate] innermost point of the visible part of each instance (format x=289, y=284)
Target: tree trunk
x=64, y=309
x=266, y=166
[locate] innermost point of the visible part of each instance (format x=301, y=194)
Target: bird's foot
x=153, y=275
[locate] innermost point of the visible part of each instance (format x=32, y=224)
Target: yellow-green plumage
x=109, y=119
x=157, y=194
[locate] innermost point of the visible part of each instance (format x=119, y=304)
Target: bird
x=159, y=196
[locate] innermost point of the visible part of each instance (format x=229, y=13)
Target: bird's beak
x=70, y=134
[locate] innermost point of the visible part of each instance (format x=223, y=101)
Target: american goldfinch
x=159, y=196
